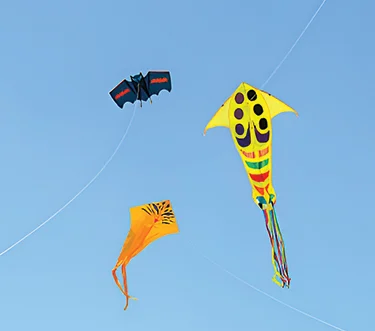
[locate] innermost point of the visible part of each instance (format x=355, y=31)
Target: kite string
x=226, y=270
x=270, y=296
x=81, y=191
x=294, y=45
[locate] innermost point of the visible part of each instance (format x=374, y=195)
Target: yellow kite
x=148, y=223
x=248, y=113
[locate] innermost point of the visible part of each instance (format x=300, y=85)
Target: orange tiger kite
x=148, y=223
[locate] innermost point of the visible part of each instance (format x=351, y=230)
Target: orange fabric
x=148, y=223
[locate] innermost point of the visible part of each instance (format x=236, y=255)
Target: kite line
x=270, y=296
x=81, y=191
x=232, y=274
x=294, y=45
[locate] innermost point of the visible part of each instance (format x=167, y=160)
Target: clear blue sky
x=58, y=126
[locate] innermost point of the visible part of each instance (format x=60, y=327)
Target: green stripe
x=257, y=165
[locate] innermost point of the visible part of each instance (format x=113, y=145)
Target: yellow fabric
x=148, y=223
x=221, y=117
x=276, y=106
x=256, y=151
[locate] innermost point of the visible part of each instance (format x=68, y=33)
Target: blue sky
x=58, y=126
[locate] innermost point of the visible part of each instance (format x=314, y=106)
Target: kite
x=248, y=113
x=141, y=87
x=148, y=223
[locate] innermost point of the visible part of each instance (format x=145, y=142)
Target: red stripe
x=260, y=177
x=260, y=190
x=263, y=151
x=159, y=80
x=122, y=93
x=250, y=155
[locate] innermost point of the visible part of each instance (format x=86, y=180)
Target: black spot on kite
x=263, y=124
x=251, y=95
x=258, y=109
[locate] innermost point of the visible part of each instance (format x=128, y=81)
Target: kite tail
x=281, y=276
x=125, y=289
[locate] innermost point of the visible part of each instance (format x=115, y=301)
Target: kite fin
x=221, y=118
x=275, y=105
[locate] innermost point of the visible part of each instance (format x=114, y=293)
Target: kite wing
x=124, y=92
x=275, y=105
x=148, y=223
x=157, y=81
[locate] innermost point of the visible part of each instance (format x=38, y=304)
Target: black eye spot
x=258, y=109
x=240, y=129
x=238, y=113
x=251, y=95
x=263, y=124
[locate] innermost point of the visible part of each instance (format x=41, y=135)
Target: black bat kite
x=141, y=87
